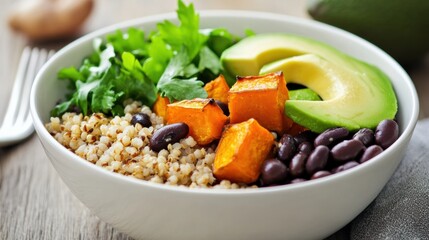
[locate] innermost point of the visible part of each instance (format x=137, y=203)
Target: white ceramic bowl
x=310, y=210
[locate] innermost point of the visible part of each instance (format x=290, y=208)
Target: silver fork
x=17, y=123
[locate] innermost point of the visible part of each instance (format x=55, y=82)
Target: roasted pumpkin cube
x=241, y=151
x=203, y=116
x=262, y=98
x=218, y=89
x=160, y=106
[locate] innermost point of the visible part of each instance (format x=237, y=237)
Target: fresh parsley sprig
x=174, y=61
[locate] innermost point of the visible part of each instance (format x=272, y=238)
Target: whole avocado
x=399, y=27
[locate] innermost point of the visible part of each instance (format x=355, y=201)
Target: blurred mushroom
x=49, y=19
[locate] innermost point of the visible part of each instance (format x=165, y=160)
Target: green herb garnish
x=175, y=61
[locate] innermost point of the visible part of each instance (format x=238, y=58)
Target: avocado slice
x=354, y=94
x=304, y=94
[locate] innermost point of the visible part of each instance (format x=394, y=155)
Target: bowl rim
x=43, y=133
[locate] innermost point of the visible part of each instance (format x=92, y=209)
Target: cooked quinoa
x=118, y=146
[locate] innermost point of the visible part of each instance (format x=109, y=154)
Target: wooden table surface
x=34, y=202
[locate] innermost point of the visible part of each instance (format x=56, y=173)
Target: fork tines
x=17, y=123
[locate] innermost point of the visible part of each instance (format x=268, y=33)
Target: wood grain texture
x=34, y=202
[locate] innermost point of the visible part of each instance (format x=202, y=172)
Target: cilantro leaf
x=62, y=107
x=219, y=39
x=189, y=71
x=104, y=98
x=133, y=83
x=172, y=86
x=83, y=90
x=132, y=41
x=187, y=34
x=209, y=60
x=174, y=67
x=160, y=53
x=184, y=89
x=70, y=73
x=105, y=63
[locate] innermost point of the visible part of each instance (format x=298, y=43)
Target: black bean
x=306, y=147
x=347, y=150
x=223, y=106
x=287, y=148
x=317, y=159
x=331, y=136
x=306, y=136
x=297, y=164
x=345, y=166
x=298, y=180
x=386, y=133
x=168, y=134
x=365, y=135
x=141, y=118
x=259, y=182
x=370, y=152
x=320, y=174
x=273, y=171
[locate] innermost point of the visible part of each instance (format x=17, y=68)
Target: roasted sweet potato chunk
x=160, y=106
x=262, y=98
x=241, y=151
x=218, y=89
x=203, y=116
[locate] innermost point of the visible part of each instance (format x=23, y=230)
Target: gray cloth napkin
x=401, y=210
